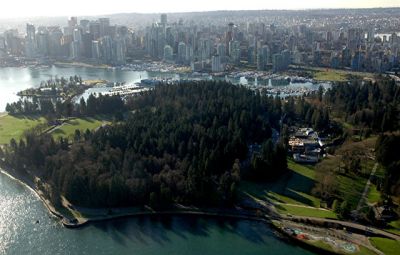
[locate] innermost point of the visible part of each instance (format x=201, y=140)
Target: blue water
x=20, y=234
x=15, y=79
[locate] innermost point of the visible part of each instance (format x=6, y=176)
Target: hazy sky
x=26, y=8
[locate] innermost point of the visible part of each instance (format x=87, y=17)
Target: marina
x=16, y=79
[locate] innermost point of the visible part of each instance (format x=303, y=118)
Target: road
x=272, y=213
x=349, y=225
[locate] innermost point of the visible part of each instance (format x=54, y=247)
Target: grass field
x=324, y=74
x=350, y=188
x=68, y=129
x=387, y=246
x=14, y=127
x=373, y=194
x=304, y=211
x=330, y=75
x=291, y=193
x=394, y=227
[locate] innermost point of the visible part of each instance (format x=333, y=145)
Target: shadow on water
x=158, y=229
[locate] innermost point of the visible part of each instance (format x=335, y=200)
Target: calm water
x=14, y=79
x=19, y=233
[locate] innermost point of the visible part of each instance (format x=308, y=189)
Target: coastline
x=80, y=222
x=276, y=223
x=81, y=64
x=38, y=193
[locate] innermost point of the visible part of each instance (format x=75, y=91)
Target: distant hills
x=142, y=19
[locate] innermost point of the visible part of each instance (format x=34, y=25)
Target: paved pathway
x=350, y=225
x=54, y=128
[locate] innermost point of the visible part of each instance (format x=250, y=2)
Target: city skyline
x=85, y=8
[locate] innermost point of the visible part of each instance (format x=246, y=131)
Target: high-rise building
x=357, y=61
x=106, y=49
x=181, y=53
x=189, y=53
x=43, y=41
x=229, y=33
x=221, y=50
x=354, y=37
x=277, y=62
x=234, y=51
x=73, y=22
x=155, y=40
x=317, y=58
x=263, y=57
x=168, y=54
x=286, y=58
x=94, y=29
x=76, y=35
x=30, y=41
x=75, y=50
x=205, y=49
x=119, y=50
x=84, y=24
x=104, y=26
x=216, y=65
x=251, y=59
x=95, y=50
x=164, y=19
x=86, y=45
x=55, y=42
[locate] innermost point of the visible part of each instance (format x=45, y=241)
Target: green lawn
x=68, y=129
x=330, y=75
x=303, y=211
x=14, y=127
x=292, y=189
x=305, y=170
x=373, y=194
x=394, y=227
x=385, y=245
x=324, y=74
x=350, y=188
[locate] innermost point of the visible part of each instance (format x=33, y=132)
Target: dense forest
x=193, y=142
x=369, y=105
x=183, y=143
x=387, y=154
x=55, y=108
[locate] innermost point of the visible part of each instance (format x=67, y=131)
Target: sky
x=34, y=8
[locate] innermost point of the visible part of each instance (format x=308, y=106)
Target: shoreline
x=244, y=214
x=81, y=64
x=168, y=213
x=37, y=193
